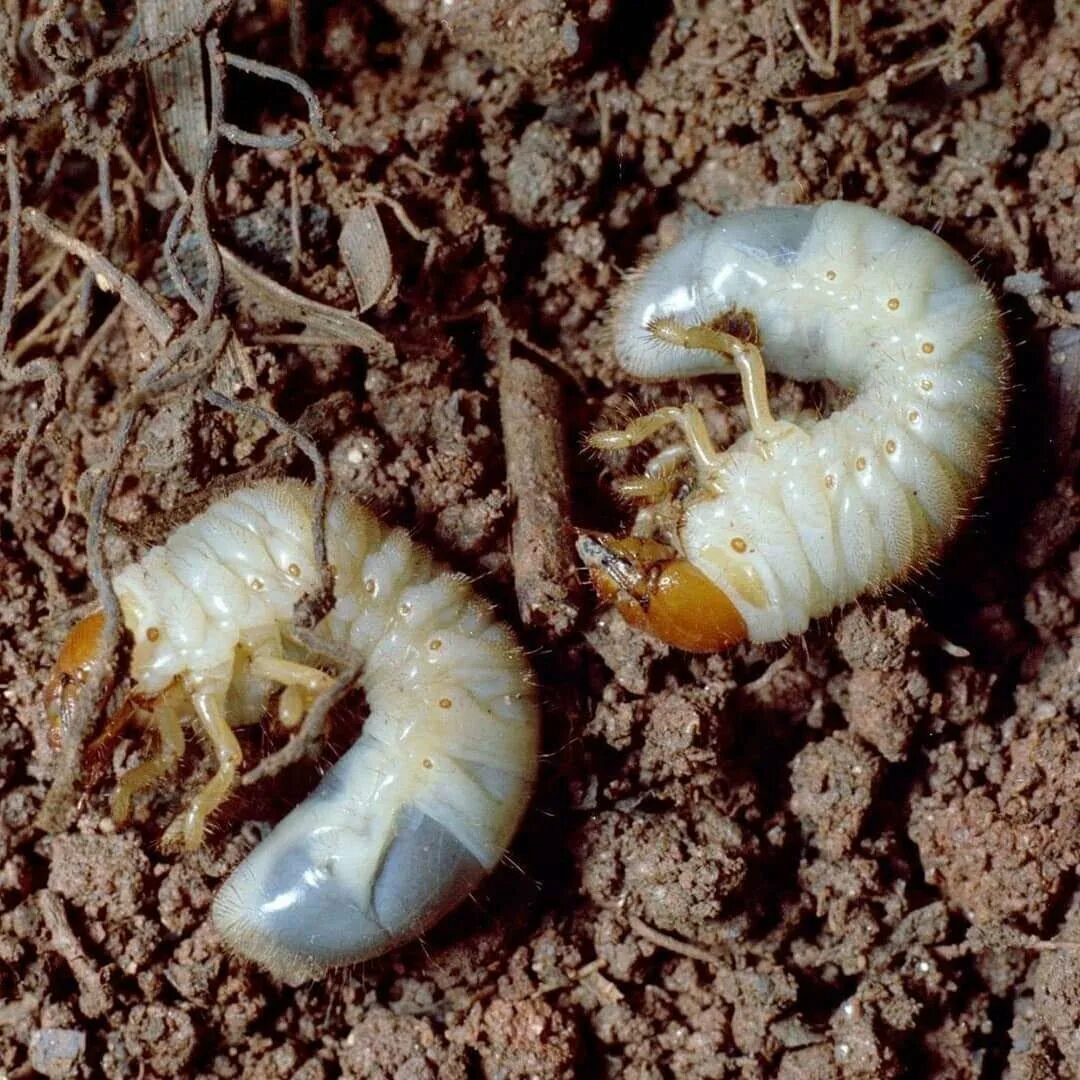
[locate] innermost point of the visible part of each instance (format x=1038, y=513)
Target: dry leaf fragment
x=366, y=255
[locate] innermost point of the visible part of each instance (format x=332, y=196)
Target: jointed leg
x=166, y=718
x=292, y=705
x=687, y=418
x=187, y=830
x=101, y=746
x=645, y=488
x=301, y=681
x=660, y=478
x=744, y=357
x=290, y=673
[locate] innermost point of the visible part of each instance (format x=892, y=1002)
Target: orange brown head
x=71, y=670
x=657, y=590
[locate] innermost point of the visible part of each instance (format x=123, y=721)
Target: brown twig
x=46, y=328
x=276, y=74
x=297, y=33
x=1001, y=938
x=532, y=408
x=201, y=182
x=94, y=998
x=674, y=944
x=296, y=235
x=108, y=276
x=825, y=66
x=47, y=371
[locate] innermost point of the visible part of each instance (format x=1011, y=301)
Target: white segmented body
x=844, y=505
x=426, y=801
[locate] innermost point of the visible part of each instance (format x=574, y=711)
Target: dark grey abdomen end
x=295, y=908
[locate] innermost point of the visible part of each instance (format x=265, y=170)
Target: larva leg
x=301, y=681
x=660, y=477
x=646, y=488
x=667, y=461
x=167, y=720
x=101, y=746
x=687, y=418
x=292, y=705
x=187, y=830
x=733, y=353
x=290, y=673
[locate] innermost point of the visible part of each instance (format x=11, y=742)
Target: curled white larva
x=795, y=519
x=424, y=803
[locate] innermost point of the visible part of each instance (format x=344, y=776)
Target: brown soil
x=852, y=855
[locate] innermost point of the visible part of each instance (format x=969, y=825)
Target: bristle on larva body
x=426, y=801
x=794, y=520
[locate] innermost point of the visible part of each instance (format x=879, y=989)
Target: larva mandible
x=794, y=520
x=424, y=803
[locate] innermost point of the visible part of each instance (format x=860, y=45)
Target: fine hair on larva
x=425, y=802
x=797, y=518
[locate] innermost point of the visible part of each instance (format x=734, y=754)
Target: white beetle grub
x=796, y=519
x=426, y=801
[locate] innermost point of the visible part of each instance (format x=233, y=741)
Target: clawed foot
x=661, y=474
x=186, y=832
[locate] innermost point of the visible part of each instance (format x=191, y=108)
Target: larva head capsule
x=71, y=670
x=658, y=591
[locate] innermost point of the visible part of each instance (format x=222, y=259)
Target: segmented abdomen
x=426, y=801
x=869, y=494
